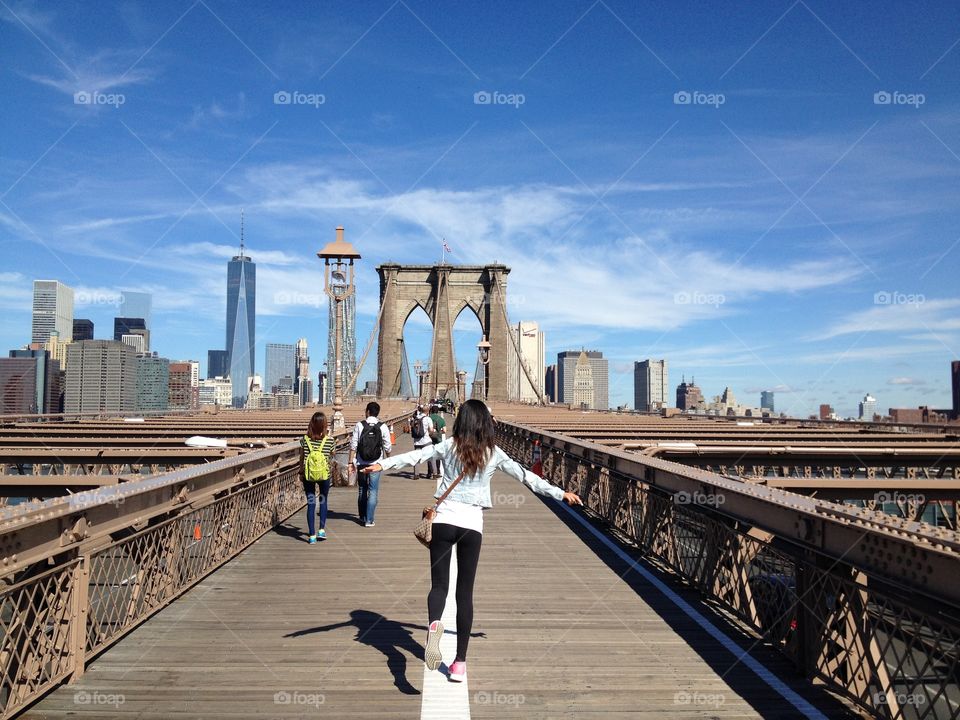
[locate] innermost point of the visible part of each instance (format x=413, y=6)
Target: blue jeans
x=368, y=485
x=311, y=491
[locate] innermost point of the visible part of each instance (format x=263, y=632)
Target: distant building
x=826, y=412
x=137, y=341
x=254, y=393
x=583, y=383
x=599, y=370
x=322, y=387
x=955, y=378
x=550, y=382
x=82, y=329
x=101, y=377
x=302, y=382
x=29, y=383
x=126, y=325
x=241, y=321
x=216, y=391
x=153, y=383
x=650, y=385
x=530, y=340
x=52, y=310
x=218, y=364
x=370, y=388
x=766, y=400
x=689, y=397
x=183, y=394
x=280, y=368
x=136, y=305
x=55, y=346
x=868, y=407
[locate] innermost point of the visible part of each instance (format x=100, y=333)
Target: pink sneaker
x=458, y=672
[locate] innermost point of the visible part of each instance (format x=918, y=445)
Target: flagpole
x=443, y=250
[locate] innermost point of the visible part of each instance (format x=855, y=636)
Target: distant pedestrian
x=316, y=448
x=369, y=444
x=472, y=455
x=420, y=428
x=437, y=435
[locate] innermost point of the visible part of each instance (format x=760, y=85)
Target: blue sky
x=766, y=194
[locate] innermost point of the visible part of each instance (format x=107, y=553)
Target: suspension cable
x=516, y=347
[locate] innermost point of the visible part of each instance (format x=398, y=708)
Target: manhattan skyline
x=767, y=198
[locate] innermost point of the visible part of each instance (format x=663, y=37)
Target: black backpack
x=370, y=446
x=416, y=427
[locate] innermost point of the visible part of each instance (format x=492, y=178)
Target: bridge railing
x=79, y=572
x=865, y=604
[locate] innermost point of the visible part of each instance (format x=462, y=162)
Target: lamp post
x=338, y=286
x=483, y=350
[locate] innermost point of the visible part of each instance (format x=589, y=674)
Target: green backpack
x=315, y=465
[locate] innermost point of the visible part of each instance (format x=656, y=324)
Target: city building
x=241, y=321
x=550, y=383
x=868, y=407
x=126, y=326
x=135, y=340
x=194, y=373
x=566, y=366
x=955, y=383
x=322, y=387
x=922, y=414
x=650, y=385
x=101, y=377
x=52, y=310
x=218, y=364
x=280, y=367
x=183, y=392
x=826, y=412
x=153, y=383
x=136, y=305
x=29, y=383
x=216, y=391
x=583, y=383
x=82, y=329
x=766, y=401
x=302, y=382
x=370, y=388
x=55, y=346
x=689, y=397
x=254, y=393
x=530, y=340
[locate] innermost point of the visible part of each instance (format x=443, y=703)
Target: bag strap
x=449, y=489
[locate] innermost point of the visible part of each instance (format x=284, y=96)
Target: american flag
x=446, y=247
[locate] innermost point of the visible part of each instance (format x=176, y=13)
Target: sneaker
x=432, y=656
x=458, y=671
x=322, y=534
x=370, y=524
x=312, y=540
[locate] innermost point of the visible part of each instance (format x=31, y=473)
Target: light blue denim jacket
x=473, y=490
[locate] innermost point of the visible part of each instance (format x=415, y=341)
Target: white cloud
x=913, y=317
x=906, y=381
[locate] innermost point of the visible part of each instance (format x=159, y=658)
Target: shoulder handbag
x=424, y=529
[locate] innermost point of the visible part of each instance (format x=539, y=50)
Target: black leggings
x=468, y=553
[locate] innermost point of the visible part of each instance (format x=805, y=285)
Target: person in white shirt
x=369, y=444
x=420, y=428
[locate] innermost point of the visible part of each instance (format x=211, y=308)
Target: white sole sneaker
x=431, y=655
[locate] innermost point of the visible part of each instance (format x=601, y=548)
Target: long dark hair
x=474, y=436
x=318, y=426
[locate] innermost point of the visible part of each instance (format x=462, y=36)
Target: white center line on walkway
x=442, y=699
x=716, y=633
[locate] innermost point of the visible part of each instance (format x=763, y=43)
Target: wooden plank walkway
x=336, y=630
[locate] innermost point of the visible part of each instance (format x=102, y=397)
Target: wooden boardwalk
x=336, y=630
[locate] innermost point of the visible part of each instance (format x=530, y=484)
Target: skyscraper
x=136, y=305
x=153, y=383
x=82, y=329
x=218, y=364
x=302, y=382
x=566, y=366
x=766, y=400
x=281, y=367
x=955, y=379
x=241, y=321
x=689, y=395
x=126, y=325
x=868, y=407
x=183, y=393
x=101, y=377
x=530, y=340
x=582, y=382
x=29, y=382
x=650, y=391
x=550, y=382
x=52, y=310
